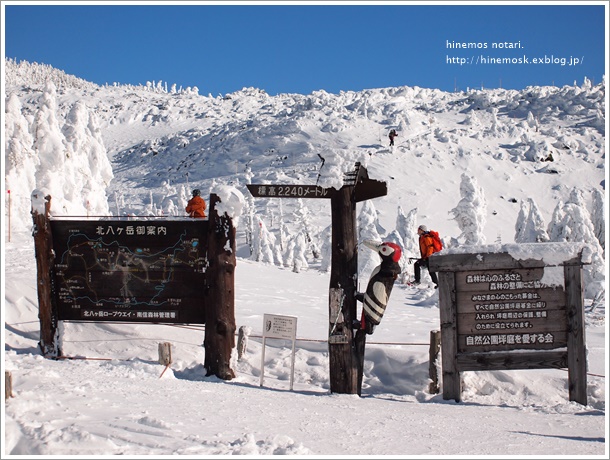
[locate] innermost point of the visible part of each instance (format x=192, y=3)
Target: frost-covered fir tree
x=87, y=160
x=20, y=166
x=405, y=273
x=368, y=229
x=51, y=177
x=304, y=217
x=249, y=212
x=263, y=243
x=296, y=251
x=530, y=226
x=470, y=213
x=283, y=232
x=554, y=229
x=326, y=251
x=168, y=201
x=184, y=195
x=520, y=224
x=598, y=218
x=406, y=226
x=573, y=225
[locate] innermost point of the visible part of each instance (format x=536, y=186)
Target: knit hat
x=423, y=228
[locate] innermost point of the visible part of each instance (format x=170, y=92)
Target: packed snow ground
x=112, y=397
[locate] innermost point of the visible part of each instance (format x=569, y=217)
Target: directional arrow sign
x=289, y=191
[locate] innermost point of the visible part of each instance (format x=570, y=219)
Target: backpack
x=436, y=239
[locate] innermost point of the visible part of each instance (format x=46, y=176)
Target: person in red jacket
x=426, y=249
x=196, y=206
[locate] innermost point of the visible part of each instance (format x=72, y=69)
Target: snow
x=465, y=164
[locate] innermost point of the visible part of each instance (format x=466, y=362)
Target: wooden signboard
x=497, y=313
x=130, y=270
x=508, y=310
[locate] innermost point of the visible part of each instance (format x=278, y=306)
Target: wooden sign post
x=346, y=350
x=47, y=312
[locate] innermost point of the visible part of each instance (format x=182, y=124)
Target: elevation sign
x=288, y=191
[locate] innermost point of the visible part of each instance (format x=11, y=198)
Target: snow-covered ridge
x=139, y=150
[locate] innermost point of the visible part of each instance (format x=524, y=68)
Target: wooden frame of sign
x=496, y=313
x=138, y=269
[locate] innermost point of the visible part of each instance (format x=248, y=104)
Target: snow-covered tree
x=405, y=272
x=283, y=228
x=263, y=243
x=530, y=226
x=296, y=251
x=532, y=121
x=326, y=252
x=303, y=216
x=49, y=147
x=554, y=229
x=470, y=212
x=368, y=229
x=87, y=160
x=598, y=218
x=406, y=226
x=20, y=164
x=521, y=223
x=168, y=201
x=573, y=225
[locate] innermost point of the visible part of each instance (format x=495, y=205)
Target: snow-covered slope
x=113, y=398
x=161, y=141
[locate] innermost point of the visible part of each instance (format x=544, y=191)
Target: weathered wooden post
x=165, y=353
x=435, y=348
x=43, y=245
x=8, y=385
x=345, y=362
x=357, y=187
x=242, y=342
x=220, y=295
x=346, y=349
x=577, y=344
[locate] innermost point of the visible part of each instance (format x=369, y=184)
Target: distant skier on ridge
x=392, y=135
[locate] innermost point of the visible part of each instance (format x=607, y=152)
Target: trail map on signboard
x=130, y=270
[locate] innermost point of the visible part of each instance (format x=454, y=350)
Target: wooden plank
x=577, y=357
x=440, y=262
x=512, y=361
x=527, y=299
x=486, y=260
x=368, y=189
x=499, y=280
x=488, y=342
x=452, y=387
x=516, y=322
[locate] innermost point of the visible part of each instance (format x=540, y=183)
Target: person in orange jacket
x=426, y=249
x=196, y=206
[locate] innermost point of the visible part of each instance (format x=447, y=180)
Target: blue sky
x=289, y=48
